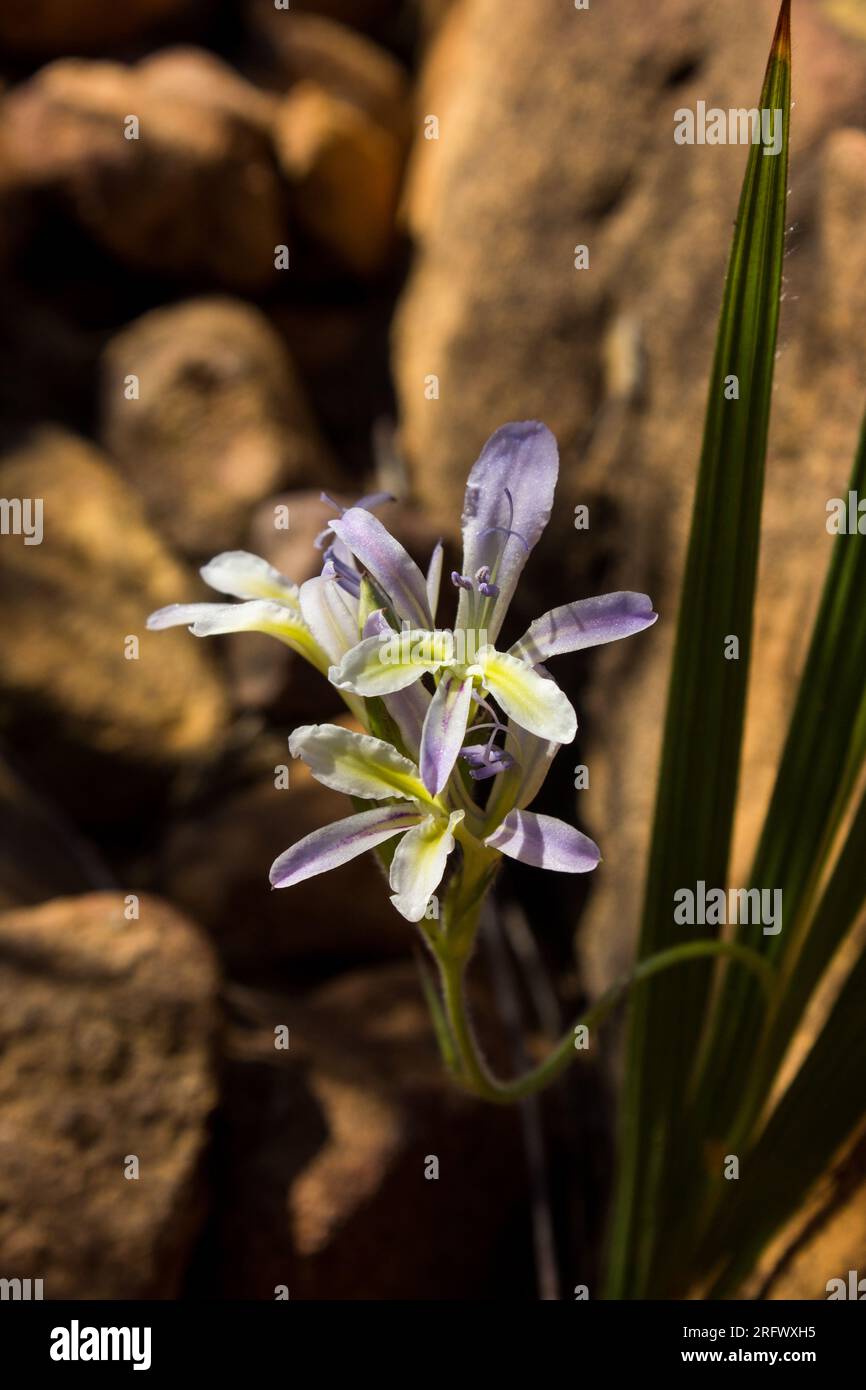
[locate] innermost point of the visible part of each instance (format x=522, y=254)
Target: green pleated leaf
x=823, y=755
x=706, y=703
x=818, y=1113
x=838, y=910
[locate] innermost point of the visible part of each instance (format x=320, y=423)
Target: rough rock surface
x=326, y=1146
x=70, y=604
x=345, y=171
x=313, y=48
x=196, y=193
x=219, y=423
x=197, y=75
x=108, y=1034
x=340, y=133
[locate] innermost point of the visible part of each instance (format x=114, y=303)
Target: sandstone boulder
x=304, y=47
x=344, y=170
x=107, y=1088
x=327, y=1143
x=95, y=706
x=190, y=190
x=218, y=422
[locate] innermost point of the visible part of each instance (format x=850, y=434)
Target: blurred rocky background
x=250, y=251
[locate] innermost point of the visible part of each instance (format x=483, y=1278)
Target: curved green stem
x=475, y=1073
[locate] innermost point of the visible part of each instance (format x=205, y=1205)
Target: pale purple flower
x=458, y=711
x=509, y=496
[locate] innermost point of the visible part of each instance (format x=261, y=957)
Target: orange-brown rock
x=108, y=1028
x=216, y=421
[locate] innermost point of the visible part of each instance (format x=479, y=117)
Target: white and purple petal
x=391, y=566
x=419, y=863
x=545, y=842
x=407, y=707
x=444, y=730
x=243, y=575
x=183, y=614
x=331, y=614
x=589, y=622
x=434, y=578
x=390, y=661
x=533, y=701
x=336, y=844
x=357, y=764
x=257, y=615
x=509, y=497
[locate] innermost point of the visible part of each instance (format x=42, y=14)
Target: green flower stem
x=465, y=897
x=475, y=1074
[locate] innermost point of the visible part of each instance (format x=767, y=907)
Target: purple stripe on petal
x=587, y=623
x=519, y=461
x=444, y=730
x=390, y=565
x=546, y=842
x=377, y=624
x=336, y=844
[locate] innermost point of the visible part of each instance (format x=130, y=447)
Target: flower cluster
x=445, y=711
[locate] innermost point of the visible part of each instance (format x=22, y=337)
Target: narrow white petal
x=387, y=662
x=182, y=615
x=258, y=615
x=357, y=764
x=434, y=577
x=407, y=707
x=419, y=863
x=243, y=575
x=535, y=703
x=331, y=614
